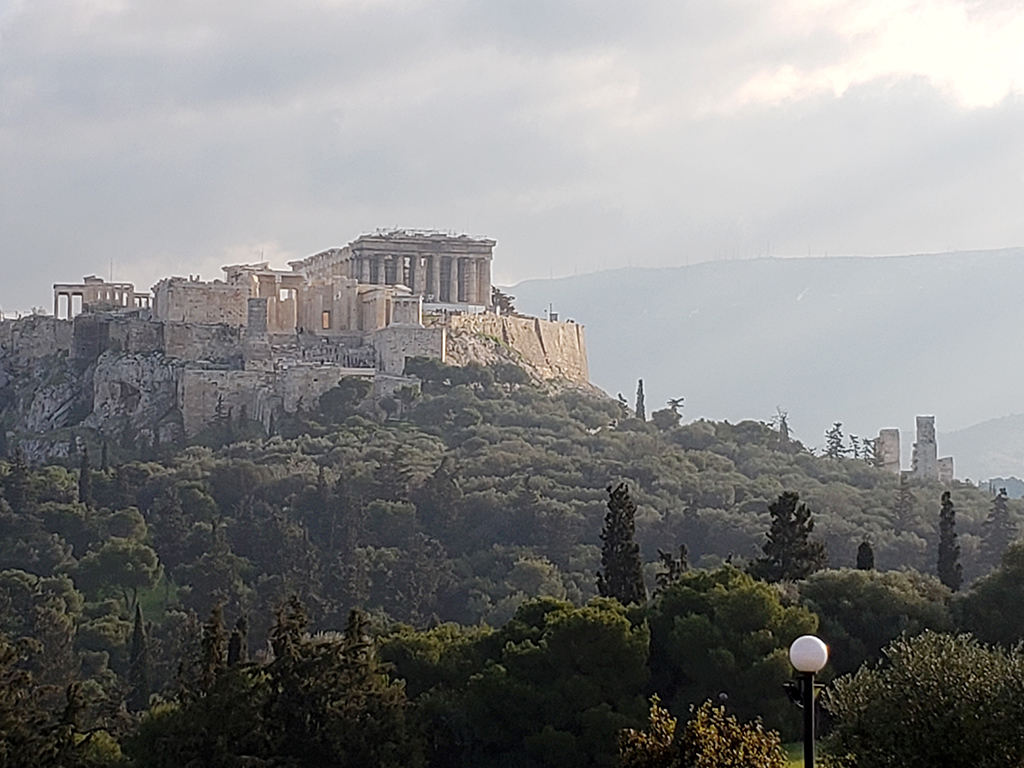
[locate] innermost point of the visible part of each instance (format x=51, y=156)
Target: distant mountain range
x=869, y=342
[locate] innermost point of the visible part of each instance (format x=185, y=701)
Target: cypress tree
x=789, y=553
x=622, y=577
x=85, y=479
x=104, y=458
x=213, y=647
x=138, y=671
x=998, y=529
x=238, y=644
x=949, y=568
x=16, y=487
x=865, y=557
x=641, y=412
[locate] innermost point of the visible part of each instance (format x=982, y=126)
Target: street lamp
x=809, y=655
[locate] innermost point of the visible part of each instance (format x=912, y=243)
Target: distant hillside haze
x=994, y=448
x=868, y=341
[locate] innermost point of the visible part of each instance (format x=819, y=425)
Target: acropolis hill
x=158, y=366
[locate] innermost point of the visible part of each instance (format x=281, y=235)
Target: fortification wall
x=397, y=342
x=202, y=342
x=200, y=391
x=554, y=350
x=176, y=300
x=35, y=337
x=137, y=337
x=258, y=393
x=300, y=388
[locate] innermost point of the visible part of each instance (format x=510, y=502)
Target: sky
x=140, y=139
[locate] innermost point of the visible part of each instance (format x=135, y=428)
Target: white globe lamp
x=808, y=654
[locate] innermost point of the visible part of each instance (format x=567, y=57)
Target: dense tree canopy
x=470, y=511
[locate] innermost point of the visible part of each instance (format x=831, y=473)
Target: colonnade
x=447, y=279
x=96, y=292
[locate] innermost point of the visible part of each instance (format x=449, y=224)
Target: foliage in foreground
x=322, y=700
x=722, y=631
x=711, y=739
x=936, y=700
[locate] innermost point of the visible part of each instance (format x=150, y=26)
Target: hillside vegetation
x=466, y=518
x=870, y=342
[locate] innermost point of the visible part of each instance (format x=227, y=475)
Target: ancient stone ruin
x=925, y=461
x=263, y=341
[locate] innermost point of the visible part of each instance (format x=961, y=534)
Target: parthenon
x=442, y=268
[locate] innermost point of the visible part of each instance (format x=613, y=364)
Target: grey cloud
x=581, y=136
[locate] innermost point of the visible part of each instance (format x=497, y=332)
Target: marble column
x=483, y=273
x=364, y=269
x=434, y=286
x=471, y=282
x=453, y=290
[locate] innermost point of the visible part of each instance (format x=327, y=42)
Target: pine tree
x=641, y=412
x=869, y=450
x=834, y=448
x=789, y=553
x=85, y=479
x=998, y=529
x=855, y=446
x=622, y=577
x=865, y=556
x=949, y=568
x=672, y=567
x=138, y=670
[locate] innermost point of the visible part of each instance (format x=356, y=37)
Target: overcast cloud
x=176, y=136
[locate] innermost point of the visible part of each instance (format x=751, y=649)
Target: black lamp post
x=809, y=655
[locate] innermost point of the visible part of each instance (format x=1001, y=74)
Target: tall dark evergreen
x=85, y=479
x=789, y=553
x=238, y=643
x=949, y=568
x=641, y=411
x=213, y=645
x=622, y=574
x=672, y=568
x=865, y=556
x=138, y=670
x=104, y=458
x=998, y=529
x=16, y=485
x=834, y=448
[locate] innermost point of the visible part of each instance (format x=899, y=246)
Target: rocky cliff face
x=117, y=377
x=136, y=395
x=548, y=351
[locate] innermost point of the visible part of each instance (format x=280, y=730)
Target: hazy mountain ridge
x=871, y=342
